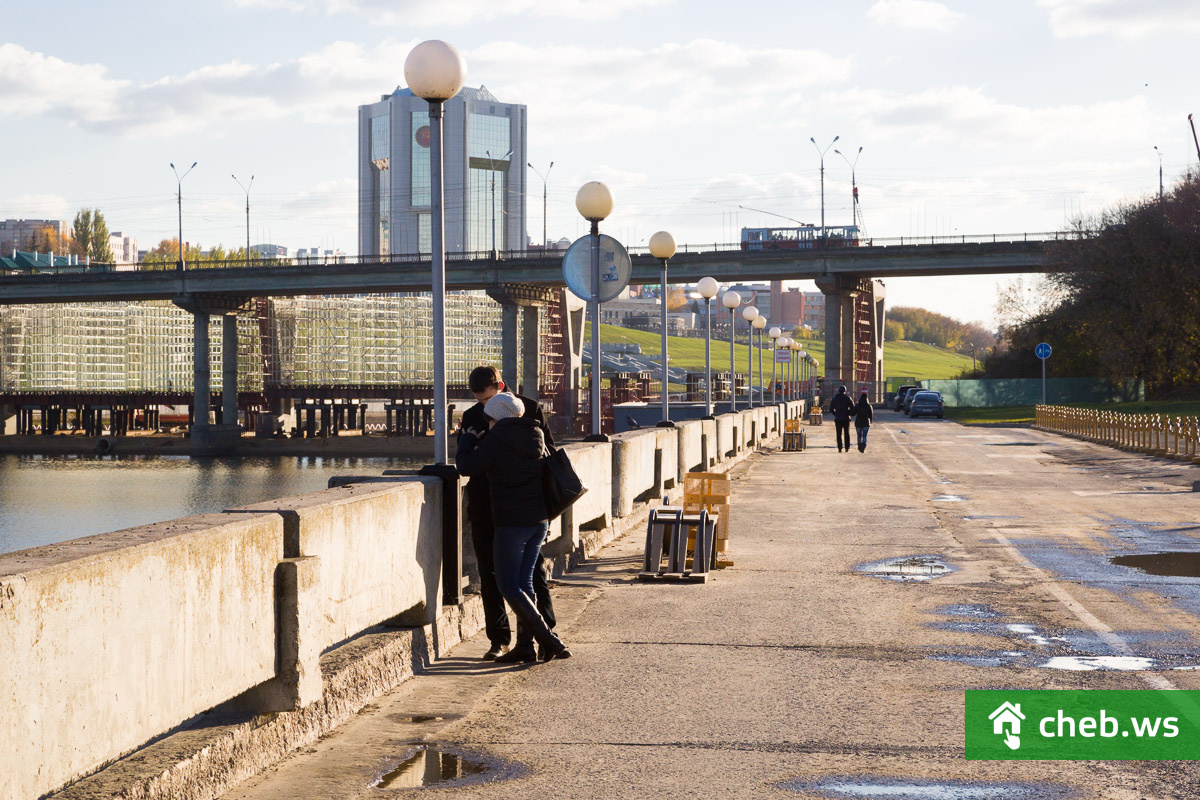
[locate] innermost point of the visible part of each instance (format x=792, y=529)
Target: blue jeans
x=862, y=437
x=517, y=552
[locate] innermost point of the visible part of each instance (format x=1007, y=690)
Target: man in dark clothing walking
x=842, y=408
x=862, y=420
x=485, y=383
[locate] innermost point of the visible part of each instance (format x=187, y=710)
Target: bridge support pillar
x=840, y=293
x=229, y=369
x=8, y=420
x=208, y=439
x=509, y=324
x=530, y=376
x=201, y=376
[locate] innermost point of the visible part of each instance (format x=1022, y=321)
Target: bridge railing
x=1156, y=434
x=420, y=261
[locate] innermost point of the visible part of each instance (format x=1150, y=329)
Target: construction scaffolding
x=283, y=343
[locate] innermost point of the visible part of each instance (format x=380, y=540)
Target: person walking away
x=485, y=383
x=862, y=419
x=842, y=408
x=510, y=454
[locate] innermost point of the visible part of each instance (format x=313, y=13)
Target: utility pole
x=246, y=189
x=822, y=154
x=1160, y=177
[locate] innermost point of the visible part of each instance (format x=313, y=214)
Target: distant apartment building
x=317, y=255
x=268, y=251
x=124, y=248
x=484, y=174
x=17, y=234
x=793, y=307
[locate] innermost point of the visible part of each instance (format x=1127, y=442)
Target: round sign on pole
x=616, y=268
x=1042, y=351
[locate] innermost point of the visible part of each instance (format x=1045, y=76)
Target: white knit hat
x=504, y=405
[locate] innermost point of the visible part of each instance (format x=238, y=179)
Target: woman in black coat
x=862, y=420
x=511, y=456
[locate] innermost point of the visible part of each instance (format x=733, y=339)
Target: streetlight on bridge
x=179, y=199
x=822, y=154
x=662, y=247
x=545, y=241
x=246, y=189
x=853, y=183
x=707, y=287
x=492, y=168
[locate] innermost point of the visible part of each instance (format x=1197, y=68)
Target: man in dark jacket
x=862, y=419
x=485, y=383
x=841, y=407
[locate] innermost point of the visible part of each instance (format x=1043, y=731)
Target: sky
x=973, y=117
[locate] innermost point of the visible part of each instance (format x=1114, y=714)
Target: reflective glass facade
x=420, y=160
x=381, y=191
x=487, y=189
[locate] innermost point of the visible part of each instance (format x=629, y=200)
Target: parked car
x=898, y=398
x=908, y=397
x=927, y=403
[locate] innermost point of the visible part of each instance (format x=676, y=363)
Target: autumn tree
x=90, y=232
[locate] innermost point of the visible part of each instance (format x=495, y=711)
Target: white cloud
x=584, y=93
x=919, y=14
x=36, y=206
x=967, y=117
x=1129, y=19
x=457, y=12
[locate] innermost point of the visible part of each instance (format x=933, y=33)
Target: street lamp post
x=750, y=313
x=732, y=300
x=435, y=71
x=662, y=247
x=822, y=154
x=853, y=182
x=492, y=167
x=708, y=290
x=759, y=323
x=775, y=335
x=545, y=241
x=179, y=200
x=785, y=343
x=595, y=202
x=246, y=189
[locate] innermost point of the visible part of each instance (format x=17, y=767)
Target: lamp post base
x=452, y=563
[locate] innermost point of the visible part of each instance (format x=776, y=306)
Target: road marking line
x=924, y=468
x=1081, y=613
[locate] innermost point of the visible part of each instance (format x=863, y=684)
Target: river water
x=49, y=499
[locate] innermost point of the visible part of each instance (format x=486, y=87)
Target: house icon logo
x=1006, y=721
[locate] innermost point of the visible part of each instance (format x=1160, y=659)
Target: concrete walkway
x=795, y=675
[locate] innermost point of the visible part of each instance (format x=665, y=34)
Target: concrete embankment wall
x=113, y=640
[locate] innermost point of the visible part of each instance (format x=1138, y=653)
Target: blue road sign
x=1042, y=351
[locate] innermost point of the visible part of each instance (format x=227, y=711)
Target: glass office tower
x=485, y=157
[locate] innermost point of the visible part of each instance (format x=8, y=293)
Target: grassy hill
x=914, y=359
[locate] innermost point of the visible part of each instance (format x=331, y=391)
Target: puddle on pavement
x=870, y=787
x=1094, y=663
x=976, y=517
x=417, y=718
x=428, y=766
x=1075, y=651
x=1180, y=564
x=907, y=568
x=948, y=498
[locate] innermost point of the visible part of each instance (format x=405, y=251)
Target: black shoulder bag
x=560, y=483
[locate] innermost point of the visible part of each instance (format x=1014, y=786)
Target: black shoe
x=521, y=654
x=494, y=652
x=554, y=651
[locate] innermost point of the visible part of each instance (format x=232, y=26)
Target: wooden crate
x=710, y=491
